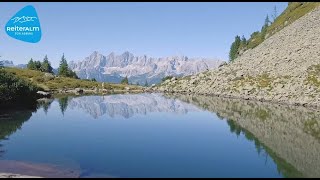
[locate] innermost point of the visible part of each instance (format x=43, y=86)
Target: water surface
x=156, y=135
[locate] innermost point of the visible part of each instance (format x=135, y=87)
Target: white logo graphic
x=23, y=19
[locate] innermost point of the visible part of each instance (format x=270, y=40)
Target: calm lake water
x=159, y=135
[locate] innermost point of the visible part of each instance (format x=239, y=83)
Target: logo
x=25, y=25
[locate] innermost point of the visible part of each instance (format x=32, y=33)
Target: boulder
x=42, y=94
x=222, y=64
x=78, y=90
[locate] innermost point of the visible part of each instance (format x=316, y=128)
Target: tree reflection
x=287, y=135
x=10, y=122
x=45, y=104
x=63, y=103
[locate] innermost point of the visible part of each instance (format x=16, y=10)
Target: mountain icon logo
x=25, y=25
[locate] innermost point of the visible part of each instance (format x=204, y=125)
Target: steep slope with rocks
x=139, y=69
x=285, y=68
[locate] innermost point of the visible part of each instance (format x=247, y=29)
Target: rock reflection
x=289, y=135
x=128, y=105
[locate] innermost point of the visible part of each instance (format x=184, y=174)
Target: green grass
x=294, y=11
x=264, y=80
x=313, y=75
x=47, y=83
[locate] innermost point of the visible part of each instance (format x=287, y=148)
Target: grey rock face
x=284, y=68
x=139, y=69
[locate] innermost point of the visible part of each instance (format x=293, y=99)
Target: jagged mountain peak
x=139, y=69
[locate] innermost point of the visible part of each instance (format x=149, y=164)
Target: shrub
x=16, y=90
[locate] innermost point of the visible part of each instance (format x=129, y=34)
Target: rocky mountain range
x=139, y=69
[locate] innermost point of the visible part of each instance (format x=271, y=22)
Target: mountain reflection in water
x=288, y=136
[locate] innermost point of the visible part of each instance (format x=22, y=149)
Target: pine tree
x=125, y=80
x=63, y=67
x=234, y=48
x=265, y=27
x=37, y=65
x=243, y=40
x=146, y=84
x=275, y=13
x=267, y=21
x=72, y=74
x=46, y=65
x=1, y=64
x=31, y=65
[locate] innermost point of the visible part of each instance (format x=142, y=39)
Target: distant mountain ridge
x=139, y=69
x=8, y=63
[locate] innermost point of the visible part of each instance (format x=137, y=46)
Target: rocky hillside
x=139, y=69
x=283, y=68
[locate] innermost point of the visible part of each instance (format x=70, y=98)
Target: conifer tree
x=31, y=65
x=46, y=65
x=63, y=67
x=234, y=48
x=125, y=80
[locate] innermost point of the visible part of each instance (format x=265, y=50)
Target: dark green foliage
x=63, y=103
x=37, y=65
x=14, y=90
x=46, y=65
x=64, y=69
x=264, y=28
x=94, y=80
x=267, y=21
x=125, y=80
x=243, y=43
x=72, y=74
x=31, y=65
x=146, y=84
x=294, y=11
x=166, y=78
x=234, y=48
x=275, y=13
x=1, y=64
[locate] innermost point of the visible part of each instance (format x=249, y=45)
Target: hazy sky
x=155, y=29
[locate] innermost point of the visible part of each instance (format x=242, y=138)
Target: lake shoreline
x=246, y=98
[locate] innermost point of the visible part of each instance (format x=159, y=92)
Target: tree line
x=45, y=66
x=242, y=44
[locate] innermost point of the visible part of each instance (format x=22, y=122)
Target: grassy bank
x=50, y=82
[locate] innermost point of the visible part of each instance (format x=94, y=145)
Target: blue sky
x=155, y=29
